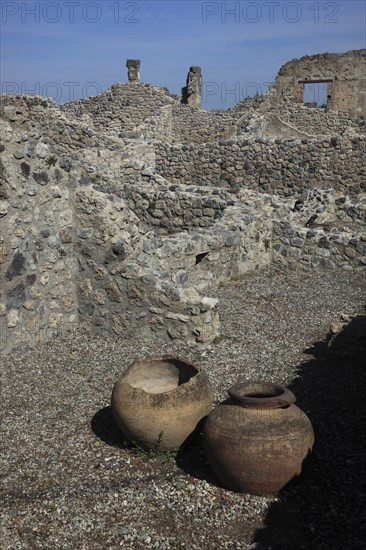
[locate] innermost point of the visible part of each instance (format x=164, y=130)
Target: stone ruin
x=124, y=212
x=191, y=93
x=133, y=66
x=344, y=74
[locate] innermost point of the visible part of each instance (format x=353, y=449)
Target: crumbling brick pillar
x=191, y=93
x=133, y=66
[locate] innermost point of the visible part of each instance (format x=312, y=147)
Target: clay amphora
x=159, y=401
x=258, y=440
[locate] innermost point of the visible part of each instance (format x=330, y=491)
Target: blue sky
x=68, y=49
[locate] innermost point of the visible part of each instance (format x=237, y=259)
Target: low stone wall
x=285, y=167
x=161, y=204
x=139, y=281
x=326, y=230
x=298, y=246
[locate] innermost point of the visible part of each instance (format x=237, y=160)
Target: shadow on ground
x=325, y=509
x=190, y=457
x=192, y=460
x=106, y=429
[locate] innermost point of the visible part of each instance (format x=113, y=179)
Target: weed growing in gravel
x=177, y=544
x=237, y=278
x=157, y=453
x=81, y=372
x=154, y=454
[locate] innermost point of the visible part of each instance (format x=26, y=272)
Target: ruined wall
x=144, y=282
x=325, y=230
x=38, y=296
x=74, y=253
x=122, y=108
x=137, y=110
x=160, y=204
x=346, y=73
x=284, y=167
x=190, y=125
x=123, y=212
x=310, y=123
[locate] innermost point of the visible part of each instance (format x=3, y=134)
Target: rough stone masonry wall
x=326, y=230
x=191, y=125
x=93, y=235
x=183, y=124
x=160, y=204
x=313, y=122
x=346, y=71
x=136, y=110
x=38, y=298
x=285, y=167
x=152, y=281
x=141, y=275
x=121, y=109
x=77, y=254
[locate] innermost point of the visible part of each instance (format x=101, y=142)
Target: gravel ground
x=70, y=482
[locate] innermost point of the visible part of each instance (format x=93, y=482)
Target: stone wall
x=191, y=125
x=123, y=212
x=309, y=123
x=122, y=108
x=143, y=281
x=160, y=204
x=133, y=110
x=141, y=275
x=326, y=230
x=345, y=73
x=38, y=267
x=79, y=249
x=285, y=167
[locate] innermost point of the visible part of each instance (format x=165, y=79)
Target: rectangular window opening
x=316, y=94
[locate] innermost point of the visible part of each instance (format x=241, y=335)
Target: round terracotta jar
x=159, y=401
x=258, y=440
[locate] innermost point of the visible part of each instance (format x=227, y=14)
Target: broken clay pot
x=159, y=401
